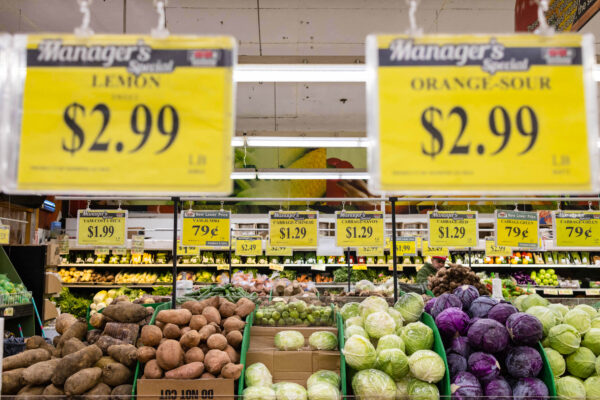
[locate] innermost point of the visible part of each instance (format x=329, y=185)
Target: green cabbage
x=289, y=340
x=353, y=321
x=591, y=340
x=556, y=361
x=393, y=362
x=323, y=341
x=411, y=306
x=417, y=336
x=259, y=393
x=588, y=309
x=570, y=388
x=427, y=365
x=598, y=366
x=373, y=384
x=372, y=304
x=323, y=391
x=560, y=309
x=379, y=324
x=258, y=374
x=355, y=330
x=533, y=300
x=289, y=391
x=324, y=376
x=592, y=387
x=349, y=310
x=402, y=388
x=547, y=317
x=396, y=315
x=390, y=342
x=596, y=322
x=579, y=319
x=359, y=353
x=581, y=363
x=518, y=302
x=419, y=390
x=564, y=338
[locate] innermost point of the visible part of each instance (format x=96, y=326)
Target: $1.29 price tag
x=248, y=246
x=453, y=228
x=293, y=228
x=101, y=227
x=483, y=112
x=359, y=228
x=4, y=234
x=517, y=229
x=126, y=112
x=577, y=228
x=206, y=228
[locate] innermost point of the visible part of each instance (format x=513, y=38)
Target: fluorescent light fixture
x=243, y=173
x=333, y=173
x=300, y=73
x=300, y=141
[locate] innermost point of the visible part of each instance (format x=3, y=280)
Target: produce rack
x=16, y=309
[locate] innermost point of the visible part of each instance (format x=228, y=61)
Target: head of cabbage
x=417, y=336
x=581, y=363
x=579, y=319
x=591, y=340
x=393, y=362
x=359, y=353
x=570, y=388
x=324, y=375
x=379, y=324
x=289, y=391
x=259, y=393
x=427, y=365
x=349, y=310
x=556, y=361
x=588, y=309
x=258, y=374
x=533, y=300
x=390, y=342
x=560, y=309
x=289, y=340
x=547, y=317
x=592, y=387
x=419, y=390
x=410, y=306
x=373, y=384
x=323, y=340
x=323, y=391
x=353, y=321
x=402, y=387
x=355, y=330
x=372, y=304
x=564, y=338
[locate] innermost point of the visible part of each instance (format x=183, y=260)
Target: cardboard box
x=185, y=389
x=49, y=312
x=52, y=254
x=290, y=366
x=53, y=284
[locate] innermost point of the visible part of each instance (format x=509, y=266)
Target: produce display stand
x=438, y=347
x=18, y=315
x=546, y=375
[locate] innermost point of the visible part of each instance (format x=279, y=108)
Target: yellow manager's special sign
x=453, y=228
x=101, y=227
x=576, y=228
x=248, y=246
x=293, y=228
x=129, y=114
x=482, y=113
x=206, y=228
x=359, y=228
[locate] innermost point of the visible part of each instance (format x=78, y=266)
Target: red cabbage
x=530, y=389
x=466, y=294
x=465, y=386
x=523, y=362
x=484, y=366
x=501, y=311
x=481, y=306
x=498, y=389
x=488, y=335
x=443, y=302
x=524, y=329
x=452, y=322
x=460, y=345
x=456, y=364
x=429, y=305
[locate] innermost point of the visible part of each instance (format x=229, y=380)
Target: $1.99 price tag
x=248, y=246
x=517, y=229
x=293, y=228
x=406, y=246
x=359, y=228
x=577, y=228
x=483, y=112
x=187, y=250
x=101, y=227
x=206, y=228
x=126, y=111
x=453, y=228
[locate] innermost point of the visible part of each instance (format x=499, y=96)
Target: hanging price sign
x=129, y=114
x=248, y=246
x=369, y=251
x=119, y=252
x=101, y=227
x=406, y=246
x=592, y=292
x=491, y=250
x=293, y=228
x=517, y=229
x=187, y=250
x=576, y=228
x=206, y=228
x=4, y=234
x=453, y=228
x=63, y=244
x=101, y=251
x=434, y=251
x=279, y=251
x=359, y=228
x=480, y=110
x=137, y=244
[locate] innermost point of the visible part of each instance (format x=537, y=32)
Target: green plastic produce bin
x=244, y=351
x=546, y=375
x=438, y=347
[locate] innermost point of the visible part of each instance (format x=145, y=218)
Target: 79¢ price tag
x=293, y=228
x=577, y=228
x=248, y=246
x=206, y=228
x=517, y=229
x=101, y=227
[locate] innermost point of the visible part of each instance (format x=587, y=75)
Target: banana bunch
x=138, y=277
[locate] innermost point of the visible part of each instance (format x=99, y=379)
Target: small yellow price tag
x=318, y=267
x=453, y=228
x=406, y=246
x=223, y=267
x=359, y=228
x=293, y=228
x=517, y=229
x=491, y=250
x=248, y=246
x=101, y=227
x=552, y=292
x=565, y=292
x=279, y=251
x=399, y=267
x=577, y=228
x=359, y=267
x=187, y=250
x=4, y=234
x=63, y=244
x=137, y=244
x=9, y=312
x=434, y=251
x=101, y=251
x=119, y=251
x=592, y=292
x=370, y=251
x=276, y=267
x=206, y=228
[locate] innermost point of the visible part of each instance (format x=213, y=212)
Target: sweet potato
x=63, y=322
x=78, y=330
x=161, y=325
x=194, y=354
x=72, y=363
x=212, y=315
x=98, y=320
x=151, y=335
x=93, y=336
x=214, y=361
x=217, y=326
x=232, y=371
x=171, y=331
x=104, y=361
x=217, y=341
x=71, y=346
x=125, y=311
x=25, y=359
x=145, y=354
x=233, y=324
x=178, y=317
x=188, y=371
x=121, y=392
x=169, y=355
x=207, y=375
x=116, y=374
x=100, y=391
x=29, y=392
x=244, y=307
x=106, y=341
x=125, y=331
x=40, y=373
x=198, y=322
x=185, y=330
x=190, y=339
x=227, y=308
x=234, y=338
x=206, y=332
x=52, y=392
x=152, y=370
x=38, y=342
x=12, y=381
x=82, y=381
x=124, y=353
x=234, y=356
x=212, y=301
x=189, y=305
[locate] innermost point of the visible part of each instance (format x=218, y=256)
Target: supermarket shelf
x=181, y=265
x=558, y=291
x=118, y=265
x=12, y=311
x=536, y=266
x=114, y=285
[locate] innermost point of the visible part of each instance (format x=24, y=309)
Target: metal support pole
x=349, y=268
x=395, y=261
x=469, y=257
x=175, y=217
x=230, y=235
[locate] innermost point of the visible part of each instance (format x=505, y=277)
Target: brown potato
x=194, y=354
x=169, y=355
x=82, y=381
x=214, y=361
x=212, y=315
x=235, y=338
x=217, y=341
x=145, y=354
x=188, y=371
x=198, y=322
x=152, y=370
x=116, y=374
x=171, y=331
x=151, y=335
x=190, y=339
x=178, y=317
x=233, y=324
x=232, y=371
x=234, y=356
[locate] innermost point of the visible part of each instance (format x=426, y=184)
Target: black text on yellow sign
x=248, y=246
x=406, y=246
x=577, y=228
x=492, y=250
x=279, y=251
x=293, y=228
x=370, y=251
x=4, y=234
x=433, y=251
x=101, y=227
x=206, y=228
x=187, y=250
x=517, y=229
x=359, y=228
x=453, y=228
x=482, y=110
x=128, y=111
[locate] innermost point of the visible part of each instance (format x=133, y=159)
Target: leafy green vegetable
x=69, y=303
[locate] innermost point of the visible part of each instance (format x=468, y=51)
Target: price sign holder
x=406, y=246
x=592, y=292
x=223, y=267
x=101, y=251
x=4, y=234
x=491, y=250
x=248, y=246
x=122, y=251
x=511, y=113
x=399, y=268
x=359, y=267
x=565, y=292
x=293, y=229
x=279, y=251
x=551, y=292
x=206, y=228
x=63, y=244
x=369, y=251
x=434, y=251
x=101, y=227
x=137, y=244
x=576, y=228
x=122, y=103
x=318, y=267
x=517, y=229
x=359, y=228
x=453, y=229
x=187, y=250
